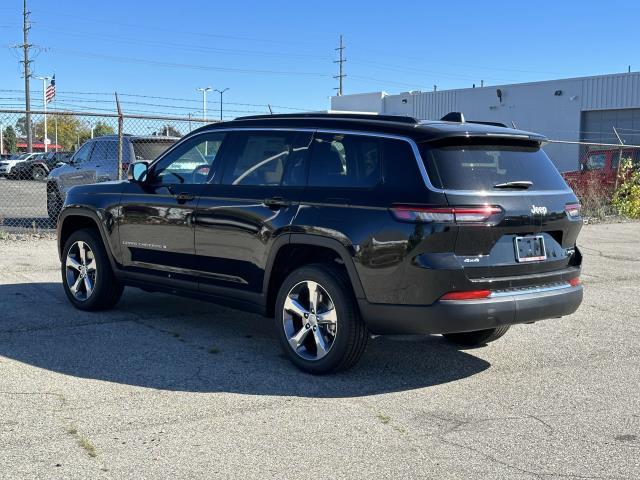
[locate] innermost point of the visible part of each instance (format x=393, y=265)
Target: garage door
x=597, y=126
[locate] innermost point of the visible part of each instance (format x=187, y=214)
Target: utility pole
x=340, y=63
x=26, y=26
x=221, y=92
x=204, y=91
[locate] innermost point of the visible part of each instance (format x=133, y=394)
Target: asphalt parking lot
x=23, y=204
x=163, y=387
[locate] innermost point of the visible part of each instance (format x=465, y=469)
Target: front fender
x=96, y=209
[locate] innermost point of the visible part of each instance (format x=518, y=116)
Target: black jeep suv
x=337, y=225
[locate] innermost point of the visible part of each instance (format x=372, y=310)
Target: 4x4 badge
x=538, y=210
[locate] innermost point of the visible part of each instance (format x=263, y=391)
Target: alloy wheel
x=81, y=270
x=37, y=174
x=310, y=320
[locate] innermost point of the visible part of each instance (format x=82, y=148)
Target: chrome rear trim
x=527, y=291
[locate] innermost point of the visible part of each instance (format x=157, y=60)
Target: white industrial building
x=573, y=109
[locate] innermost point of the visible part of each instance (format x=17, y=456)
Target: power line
x=139, y=61
x=138, y=41
x=71, y=95
x=174, y=32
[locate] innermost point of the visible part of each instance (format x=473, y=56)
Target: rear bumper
x=467, y=315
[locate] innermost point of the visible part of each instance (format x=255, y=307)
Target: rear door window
x=348, y=161
x=481, y=167
x=267, y=159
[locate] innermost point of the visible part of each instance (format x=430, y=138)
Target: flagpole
x=44, y=101
x=55, y=120
x=44, y=104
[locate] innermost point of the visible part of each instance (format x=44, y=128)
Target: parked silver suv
x=97, y=161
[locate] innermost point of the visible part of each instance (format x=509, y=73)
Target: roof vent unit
x=453, y=117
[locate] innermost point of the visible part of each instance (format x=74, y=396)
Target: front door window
x=190, y=163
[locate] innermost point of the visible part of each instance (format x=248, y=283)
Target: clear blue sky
x=281, y=52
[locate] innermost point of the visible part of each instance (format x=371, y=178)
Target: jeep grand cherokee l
x=337, y=226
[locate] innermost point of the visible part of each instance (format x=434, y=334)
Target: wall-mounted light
x=557, y=93
x=499, y=94
x=404, y=100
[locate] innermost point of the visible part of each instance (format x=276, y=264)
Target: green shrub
x=627, y=196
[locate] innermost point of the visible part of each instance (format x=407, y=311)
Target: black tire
x=106, y=291
x=477, y=337
x=38, y=174
x=54, y=205
x=351, y=334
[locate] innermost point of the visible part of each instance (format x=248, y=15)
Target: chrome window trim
x=414, y=147
x=189, y=136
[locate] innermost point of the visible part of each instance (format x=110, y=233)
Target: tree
x=21, y=126
x=9, y=139
x=169, y=131
x=101, y=128
x=72, y=131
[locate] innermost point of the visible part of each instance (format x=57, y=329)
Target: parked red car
x=598, y=170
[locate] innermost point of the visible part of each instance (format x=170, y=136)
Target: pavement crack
x=59, y=396
x=59, y=327
x=536, y=474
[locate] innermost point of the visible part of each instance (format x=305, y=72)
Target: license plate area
x=530, y=249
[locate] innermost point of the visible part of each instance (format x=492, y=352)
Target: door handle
x=276, y=202
x=184, y=197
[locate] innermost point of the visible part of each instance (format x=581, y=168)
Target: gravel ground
x=163, y=387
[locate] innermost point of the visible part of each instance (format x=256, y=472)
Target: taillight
x=573, y=209
x=574, y=282
x=417, y=213
x=466, y=295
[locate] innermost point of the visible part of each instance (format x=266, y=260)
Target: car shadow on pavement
x=171, y=343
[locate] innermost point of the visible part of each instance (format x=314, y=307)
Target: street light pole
x=221, y=92
x=44, y=106
x=204, y=91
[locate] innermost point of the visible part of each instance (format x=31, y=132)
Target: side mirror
x=137, y=172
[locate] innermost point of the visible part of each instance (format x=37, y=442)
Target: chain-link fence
x=81, y=148
x=87, y=147
x=598, y=173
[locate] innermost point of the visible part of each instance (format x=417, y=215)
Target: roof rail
x=459, y=118
x=337, y=115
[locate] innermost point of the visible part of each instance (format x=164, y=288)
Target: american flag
x=51, y=90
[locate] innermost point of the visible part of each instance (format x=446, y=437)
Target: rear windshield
x=481, y=167
x=148, y=149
